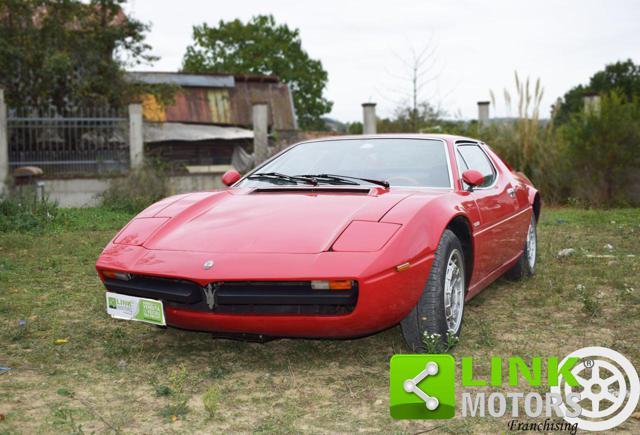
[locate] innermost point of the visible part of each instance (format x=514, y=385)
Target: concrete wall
x=75, y=192
x=192, y=183
x=84, y=192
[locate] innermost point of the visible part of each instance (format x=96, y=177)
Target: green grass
x=115, y=376
x=90, y=219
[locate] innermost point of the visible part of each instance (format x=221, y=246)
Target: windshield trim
x=289, y=148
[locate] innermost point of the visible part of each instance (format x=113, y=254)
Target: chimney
x=483, y=112
x=368, y=118
x=260, y=132
x=591, y=103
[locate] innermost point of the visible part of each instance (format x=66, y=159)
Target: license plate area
x=135, y=308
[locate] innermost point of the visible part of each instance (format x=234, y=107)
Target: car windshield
x=400, y=162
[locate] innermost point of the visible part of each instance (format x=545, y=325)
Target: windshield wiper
x=284, y=177
x=345, y=179
x=330, y=179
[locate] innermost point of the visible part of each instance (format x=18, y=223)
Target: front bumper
x=384, y=295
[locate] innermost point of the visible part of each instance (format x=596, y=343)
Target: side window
x=474, y=158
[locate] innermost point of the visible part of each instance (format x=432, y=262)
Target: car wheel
x=526, y=265
x=441, y=305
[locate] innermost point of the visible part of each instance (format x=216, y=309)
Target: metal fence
x=80, y=142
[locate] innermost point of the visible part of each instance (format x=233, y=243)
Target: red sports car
x=336, y=237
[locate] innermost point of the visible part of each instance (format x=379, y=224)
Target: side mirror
x=230, y=177
x=472, y=177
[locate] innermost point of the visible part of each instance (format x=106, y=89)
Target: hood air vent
x=314, y=189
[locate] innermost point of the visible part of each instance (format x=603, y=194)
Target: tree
x=604, y=148
x=65, y=54
x=621, y=77
x=412, y=109
x=411, y=119
x=261, y=46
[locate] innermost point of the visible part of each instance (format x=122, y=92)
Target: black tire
x=429, y=313
x=523, y=268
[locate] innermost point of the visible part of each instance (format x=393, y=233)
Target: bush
x=211, y=401
x=139, y=189
x=604, y=148
x=24, y=211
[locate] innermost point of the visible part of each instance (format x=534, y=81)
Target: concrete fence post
x=136, y=139
x=483, y=112
x=260, y=132
x=368, y=118
x=4, y=144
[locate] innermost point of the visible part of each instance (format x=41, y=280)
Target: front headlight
x=365, y=236
x=334, y=284
x=122, y=276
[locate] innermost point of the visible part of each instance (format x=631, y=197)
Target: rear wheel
x=526, y=265
x=441, y=306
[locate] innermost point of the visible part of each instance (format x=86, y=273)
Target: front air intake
x=315, y=189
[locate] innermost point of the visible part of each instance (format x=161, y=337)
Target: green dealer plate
x=134, y=308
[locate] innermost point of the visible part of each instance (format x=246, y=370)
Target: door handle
x=512, y=192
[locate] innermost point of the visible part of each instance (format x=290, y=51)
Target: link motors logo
x=592, y=389
x=422, y=387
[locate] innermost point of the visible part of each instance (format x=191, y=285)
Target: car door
x=496, y=203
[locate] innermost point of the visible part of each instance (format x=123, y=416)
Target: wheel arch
x=537, y=205
x=461, y=227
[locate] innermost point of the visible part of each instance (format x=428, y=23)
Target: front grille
x=169, y=290
x=240, y=297
x=284, y=297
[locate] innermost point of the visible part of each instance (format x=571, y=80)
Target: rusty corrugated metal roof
x=218, y=103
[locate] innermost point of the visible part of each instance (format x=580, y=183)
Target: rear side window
x=472, y=157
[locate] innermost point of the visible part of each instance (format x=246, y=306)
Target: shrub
x=591, y=304
x=604, y=148
x=139, y=189
x=537, y=150
x=211, y=400
x=23, y=211
x=179, y=406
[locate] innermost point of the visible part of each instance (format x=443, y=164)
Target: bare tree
x=418, y=70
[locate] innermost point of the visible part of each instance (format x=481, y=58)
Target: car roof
x=445, y=137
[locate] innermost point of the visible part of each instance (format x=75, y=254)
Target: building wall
x=225, y=106
x=84, y=192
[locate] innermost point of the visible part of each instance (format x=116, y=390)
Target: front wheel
x=441, y=306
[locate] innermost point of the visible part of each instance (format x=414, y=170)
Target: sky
x=477, y=45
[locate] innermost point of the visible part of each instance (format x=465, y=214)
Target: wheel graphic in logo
x=609, y=388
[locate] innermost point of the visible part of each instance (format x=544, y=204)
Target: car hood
x=246, y=221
